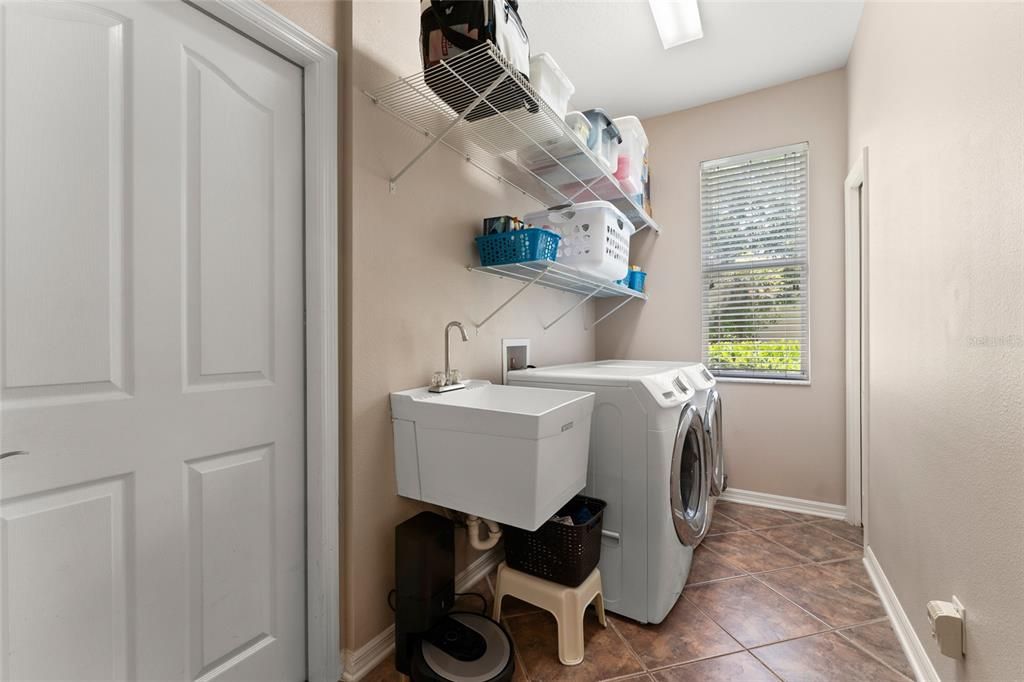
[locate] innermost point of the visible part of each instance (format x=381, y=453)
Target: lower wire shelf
x=554, y=275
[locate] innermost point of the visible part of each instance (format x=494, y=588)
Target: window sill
x=778, y=382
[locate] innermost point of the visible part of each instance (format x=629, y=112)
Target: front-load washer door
x=690, y=479
x=713, y=428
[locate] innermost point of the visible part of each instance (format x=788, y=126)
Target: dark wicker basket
x=557, y=552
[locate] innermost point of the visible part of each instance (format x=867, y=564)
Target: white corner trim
x=924, y=671
x=360, y=662
x=791, y=504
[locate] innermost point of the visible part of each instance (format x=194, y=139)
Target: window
x=754, y=264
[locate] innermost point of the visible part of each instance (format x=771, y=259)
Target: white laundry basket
x=595, y=237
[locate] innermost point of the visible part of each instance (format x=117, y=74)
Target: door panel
x=153, y=330
x=229, y=137
x=64, y=317
x=231, y=555
x=66, y=583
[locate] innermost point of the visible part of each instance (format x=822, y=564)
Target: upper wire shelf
x=481, y=107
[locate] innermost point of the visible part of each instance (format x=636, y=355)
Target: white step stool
x=567, y=604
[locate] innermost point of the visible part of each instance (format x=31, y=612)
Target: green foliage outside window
x=764, y=356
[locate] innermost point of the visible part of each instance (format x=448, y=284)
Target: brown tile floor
x=772, y=595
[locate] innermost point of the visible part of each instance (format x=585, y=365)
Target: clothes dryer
x=649, y=463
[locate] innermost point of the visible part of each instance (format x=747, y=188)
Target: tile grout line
x=787, y=549
x=629, y=647
x=864, y=649
x=795, y=522
x=819, y=563
x=712, y=619
x=835, y=631
x=742, y=646
x=820, y=620
x=829, y=628
x=742, y=571
x=810, y=561
x=673, y=666
x=841, y=539
x=820, y=524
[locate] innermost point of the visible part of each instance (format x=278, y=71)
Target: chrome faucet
x=450, y=384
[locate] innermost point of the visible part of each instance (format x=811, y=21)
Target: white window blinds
x=754, y=304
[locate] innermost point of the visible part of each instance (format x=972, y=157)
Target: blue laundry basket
x=518, y=246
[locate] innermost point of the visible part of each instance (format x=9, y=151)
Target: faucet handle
x=438, y=379
x=454, y=377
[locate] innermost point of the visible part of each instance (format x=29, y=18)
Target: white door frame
x=855, y=193
x=319, y=64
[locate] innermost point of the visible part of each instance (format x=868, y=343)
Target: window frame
x=753, y=376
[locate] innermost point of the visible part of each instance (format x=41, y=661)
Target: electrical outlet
x=947, y=621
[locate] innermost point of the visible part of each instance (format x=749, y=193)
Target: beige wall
x=404, y=258
x=936, y=93
x=408, y=278
x=785, y=440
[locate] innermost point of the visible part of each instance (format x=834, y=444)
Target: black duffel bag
x=450, y=28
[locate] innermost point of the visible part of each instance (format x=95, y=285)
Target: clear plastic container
x=579, y=124
x=595, y=237
x=551, y=83
x=604, y=138
x=632, y=160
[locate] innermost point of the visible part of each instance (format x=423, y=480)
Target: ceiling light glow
x=678, y=21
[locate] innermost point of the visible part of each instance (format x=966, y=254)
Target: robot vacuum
x=433, y=643
x=464, y=647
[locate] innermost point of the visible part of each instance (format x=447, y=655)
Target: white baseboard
x=359, y=663
x=792, y=504
x=924, y=671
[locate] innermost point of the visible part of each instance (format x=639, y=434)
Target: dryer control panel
x=669, y=389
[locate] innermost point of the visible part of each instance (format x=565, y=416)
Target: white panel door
x=151, y=322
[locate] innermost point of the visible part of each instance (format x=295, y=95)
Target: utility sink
x=511, y=454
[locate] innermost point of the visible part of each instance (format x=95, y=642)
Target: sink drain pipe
x=473, y=529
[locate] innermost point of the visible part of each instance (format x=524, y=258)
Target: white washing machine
x=707, y=400
x=649, y=463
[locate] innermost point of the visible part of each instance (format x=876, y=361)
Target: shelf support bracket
x=583, y=300
x=393, y=181
x=609, y=313
x=511, y=298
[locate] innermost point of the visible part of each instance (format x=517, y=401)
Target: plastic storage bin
x=556, y=551
x=572, y=167
x=579, y=124
x=604, y=138
x=632, y=160
x=595, y=237
x=520, y=246
x=572, y=164
x=551, y=83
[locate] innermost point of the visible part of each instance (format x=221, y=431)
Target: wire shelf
x=481, y=107
x=554, y=275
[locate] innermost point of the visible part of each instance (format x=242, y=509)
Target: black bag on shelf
x=450, y=28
